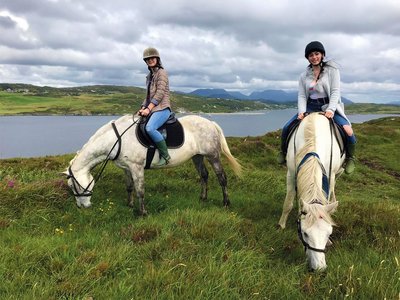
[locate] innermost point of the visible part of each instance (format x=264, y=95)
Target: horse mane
x=309, y=177
x=98, y=133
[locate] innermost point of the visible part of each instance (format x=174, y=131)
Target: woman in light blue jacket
x=319, y=90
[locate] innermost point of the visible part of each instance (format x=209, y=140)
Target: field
x=108, y=100
x=186, y=249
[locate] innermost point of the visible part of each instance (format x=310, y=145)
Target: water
x=33, y=136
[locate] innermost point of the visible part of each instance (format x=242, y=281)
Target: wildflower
x=59, y=231
x=11, y=183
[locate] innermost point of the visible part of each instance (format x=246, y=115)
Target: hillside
x=24, y=99
x=267, y=96
x=18, y=99
x=187, y=249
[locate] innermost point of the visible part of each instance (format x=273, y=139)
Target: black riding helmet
x=314, y=46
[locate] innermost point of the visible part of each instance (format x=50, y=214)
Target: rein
x=86, y=192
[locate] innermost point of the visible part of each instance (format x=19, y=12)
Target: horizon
x=248, y=93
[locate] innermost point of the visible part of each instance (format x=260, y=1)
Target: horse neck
x=309, y=178
x=92, y=153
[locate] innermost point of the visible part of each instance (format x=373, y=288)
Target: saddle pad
x=175, y=135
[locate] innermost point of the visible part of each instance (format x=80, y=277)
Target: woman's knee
x=348, y=129
x=150, y=128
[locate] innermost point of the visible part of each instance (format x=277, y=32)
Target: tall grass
x=187, y=249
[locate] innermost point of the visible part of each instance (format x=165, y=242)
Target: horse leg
x=198, y=161
x=223, y=182
x=137, y=172
x=129, y=187
x=288, y=204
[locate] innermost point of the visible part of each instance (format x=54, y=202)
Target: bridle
x=305, y=244
x=75, y=183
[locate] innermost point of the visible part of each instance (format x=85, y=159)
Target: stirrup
x=162, y=162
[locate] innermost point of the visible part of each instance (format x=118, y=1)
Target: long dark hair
x=322, y=64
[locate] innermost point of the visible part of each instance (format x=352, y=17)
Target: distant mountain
x=394, y=103
x=268, y=96
x=218, y=93
x=347, y=101
x=279, y=96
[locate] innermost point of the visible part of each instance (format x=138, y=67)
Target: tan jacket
x=159, y=90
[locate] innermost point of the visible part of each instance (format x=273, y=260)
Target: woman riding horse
x=319, y=90
x=157, y=103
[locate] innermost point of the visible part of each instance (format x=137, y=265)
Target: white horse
x=203, y=138
x=314, y=161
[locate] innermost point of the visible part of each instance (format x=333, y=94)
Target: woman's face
x=151, y=61
x=315, y=58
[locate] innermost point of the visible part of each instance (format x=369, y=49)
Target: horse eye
x=305, y=235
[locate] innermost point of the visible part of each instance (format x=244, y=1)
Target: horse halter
x=75, y=185
x=305, y=244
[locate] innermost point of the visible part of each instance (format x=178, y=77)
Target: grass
x=186, y=249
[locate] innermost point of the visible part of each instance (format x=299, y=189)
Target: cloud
x=236, y=45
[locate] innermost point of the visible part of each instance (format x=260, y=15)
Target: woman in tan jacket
x=157, y=103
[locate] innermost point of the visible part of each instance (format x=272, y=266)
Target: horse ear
x=331, y=207
x=305, y=206
x=65, y=173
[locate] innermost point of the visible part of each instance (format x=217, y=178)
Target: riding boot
x=164, y=156
x=281, y=157
x=349, y=164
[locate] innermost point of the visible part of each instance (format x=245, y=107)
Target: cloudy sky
x=238, y=45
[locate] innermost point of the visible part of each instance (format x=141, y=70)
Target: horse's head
x=314, y=227
x=81, y=185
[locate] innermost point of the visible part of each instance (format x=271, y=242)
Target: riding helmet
x=150, y=52
x=314, y=46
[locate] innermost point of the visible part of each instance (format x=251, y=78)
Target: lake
x=33, y=136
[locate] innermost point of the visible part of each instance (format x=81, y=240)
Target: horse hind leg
x=198, y=161
x=222, y=179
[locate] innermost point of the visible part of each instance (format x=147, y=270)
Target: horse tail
x=233, y=162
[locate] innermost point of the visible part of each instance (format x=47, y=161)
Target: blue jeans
x=157, y=119
x=312, y=107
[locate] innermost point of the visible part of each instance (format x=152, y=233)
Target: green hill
x=50, y=249
x=23, y=99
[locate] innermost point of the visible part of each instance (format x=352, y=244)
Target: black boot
x=349, y=163
x=281, y=157
x=164, y=156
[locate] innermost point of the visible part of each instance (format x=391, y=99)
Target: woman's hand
x=329, y=114
x=144, y=111
x=300, y=116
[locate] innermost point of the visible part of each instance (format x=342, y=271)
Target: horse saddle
x=171, y=130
